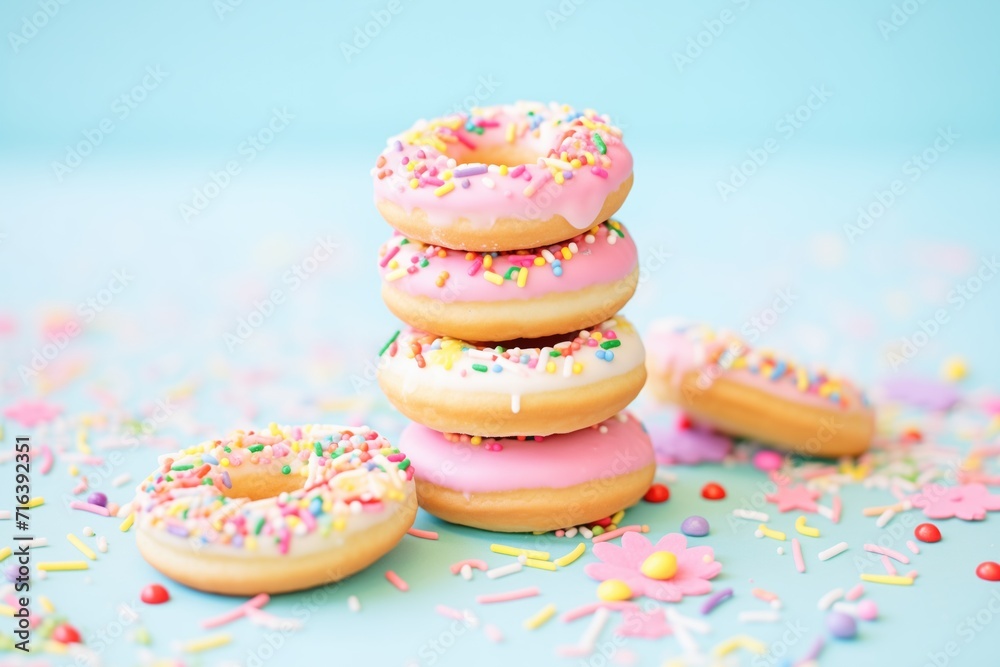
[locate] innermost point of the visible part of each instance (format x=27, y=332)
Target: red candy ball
x=66, y=634
x=989, y=571
x=927, y=532
x=713, y=491
x=154, y=594
x=657, y=493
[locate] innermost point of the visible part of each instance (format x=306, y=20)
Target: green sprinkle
x=181, y=468
x=608, y=344
x=286, y=469
x=600, y=143
x=227, y=449
x=259, y=527
x=388, y=343
x=479, y=367
x=255, y=448
x=206, y=482
x=597, y=530
x=404, y=242
x=168, y=478
x=339, y=451
x=500, y=349
x=404, y=464
x=318, y=446
x=510, y=272
x=619, y=232
x=555, y=353
x=424, y=262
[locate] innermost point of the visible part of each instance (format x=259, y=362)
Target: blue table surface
x=162, y=340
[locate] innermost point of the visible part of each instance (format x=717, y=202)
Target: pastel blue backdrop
x=843, y=153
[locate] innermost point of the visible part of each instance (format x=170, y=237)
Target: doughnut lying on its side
x=718, y=380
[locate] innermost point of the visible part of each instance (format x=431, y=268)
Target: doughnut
x=507, y=177
x=718, y=380
x=501, y=389
x=539, y=484
x=275, y=511
x=523, y=294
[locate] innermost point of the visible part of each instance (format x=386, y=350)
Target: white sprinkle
x=824, y=602
x=488, y=182
x=846, y=608
x=121, y=480
x=781, y=550
x=885, y=517
x=751, y=515
x=835, y=550
x=676, y=619
x=88, y=531
x=466, y=572
x=775, y=603
x=549, y=257
x=612, y=239
x=589, y=238
x=4, y=514
x=824, y=511
x=522, y=558
x=573, y=247
x=515, y=403
x=353, y=603
x=568, y=366
x=543, y=358
x=571, y=532
x=102, y=544
x=586, y=533
x=504, y=570
x=757, y=616
x=597, y=623
x=35, y=543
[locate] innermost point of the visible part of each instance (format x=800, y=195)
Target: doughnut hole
x=260, y=484
x=511, y=155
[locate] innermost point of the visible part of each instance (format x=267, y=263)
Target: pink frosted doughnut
x=519, y=485
x=508, y=177
x=716, y=378
x=521, y=294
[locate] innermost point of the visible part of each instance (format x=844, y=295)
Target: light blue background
x=688, y=128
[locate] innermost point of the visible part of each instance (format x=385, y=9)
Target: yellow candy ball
x=954, y=369
x=660, y=565
x=613, y=590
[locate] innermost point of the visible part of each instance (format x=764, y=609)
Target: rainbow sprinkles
x=336, y=476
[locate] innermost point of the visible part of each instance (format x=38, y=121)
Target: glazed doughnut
x=541, y=484
x=508, y=177
x=277, y=511
x=501, y=389
x=720, y=381
x=520, y=294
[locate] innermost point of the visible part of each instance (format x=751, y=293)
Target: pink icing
x=531, y=192
x=596, y=263
x=558, y=461
x=677, y=350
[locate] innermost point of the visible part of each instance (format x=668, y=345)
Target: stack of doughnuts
x=508, y=270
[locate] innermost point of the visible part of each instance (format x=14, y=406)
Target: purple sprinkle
x=841, y=625
x=397, y=145
x=469, y=170
x=568, y=175
x=695, y=526
x=465, y=183
x=714, y=601
x=177, y=529
x=228, y=483
x=98, y=498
